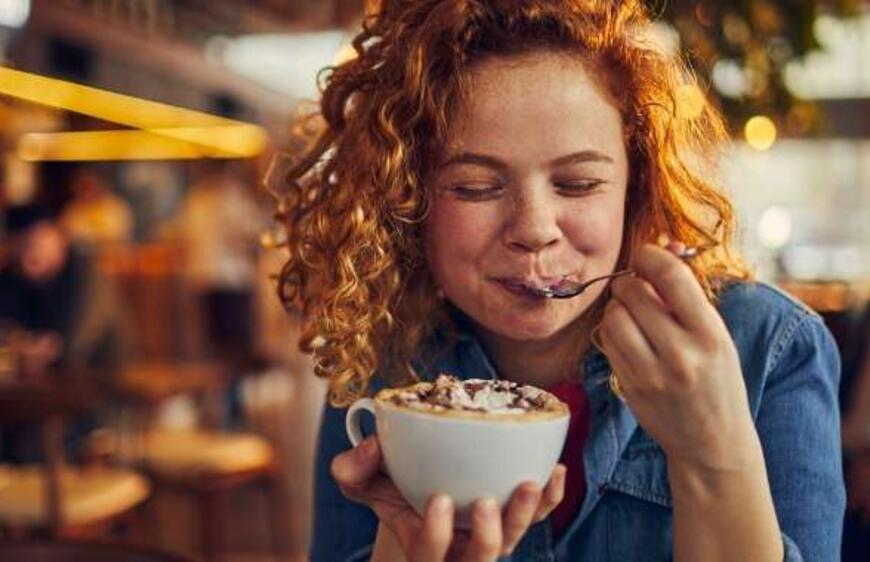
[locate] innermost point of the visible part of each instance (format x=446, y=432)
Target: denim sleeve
x=799, y=427
x=343, y=530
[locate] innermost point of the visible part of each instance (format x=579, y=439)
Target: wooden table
x=33, y=400
x=154, y=381
x=49, y=399
x=46, y=401
x=140, y=386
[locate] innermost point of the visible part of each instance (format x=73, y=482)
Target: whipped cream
x=473, y=395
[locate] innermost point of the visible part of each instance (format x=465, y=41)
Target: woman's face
x=531, y=188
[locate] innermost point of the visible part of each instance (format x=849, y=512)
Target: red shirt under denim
x=573, y=394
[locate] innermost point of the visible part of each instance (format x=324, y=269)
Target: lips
x=533, y=282
x=526, y=286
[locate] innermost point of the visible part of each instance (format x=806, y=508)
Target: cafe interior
x=154, y=404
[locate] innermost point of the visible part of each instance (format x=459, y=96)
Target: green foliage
x=761, y=37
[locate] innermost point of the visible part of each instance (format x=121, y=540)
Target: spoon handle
x=613, y=275
x=574, y=290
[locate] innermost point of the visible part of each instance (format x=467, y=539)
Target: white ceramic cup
x=466, y=459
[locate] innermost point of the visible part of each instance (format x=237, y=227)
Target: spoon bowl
x=567, y=289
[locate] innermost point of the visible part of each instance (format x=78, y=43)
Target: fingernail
x=487, y=506
x=439, y=505
x=676, y=247
x=527, y=495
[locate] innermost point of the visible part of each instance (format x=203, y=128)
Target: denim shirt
x=791, y=369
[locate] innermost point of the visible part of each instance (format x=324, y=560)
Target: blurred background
x=150, y=387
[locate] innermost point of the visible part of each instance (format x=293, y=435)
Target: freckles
x=463, y=232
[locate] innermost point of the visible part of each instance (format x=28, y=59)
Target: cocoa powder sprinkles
x=472, y=388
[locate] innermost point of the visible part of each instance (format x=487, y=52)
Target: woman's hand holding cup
x=432, y=537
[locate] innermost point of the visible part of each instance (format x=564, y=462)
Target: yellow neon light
x=209, y=135
x=129, y=145
x=109, y=106
x=237, y=141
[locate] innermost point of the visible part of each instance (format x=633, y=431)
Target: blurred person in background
x=220, y=224
x=56, y=312
x=95, y=215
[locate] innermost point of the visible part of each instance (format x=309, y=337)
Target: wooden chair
x=208, y=465
x=86, y=498
x=53, y=498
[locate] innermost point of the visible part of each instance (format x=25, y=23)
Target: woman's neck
x=541, y=363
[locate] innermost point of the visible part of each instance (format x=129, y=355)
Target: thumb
x=354, y=468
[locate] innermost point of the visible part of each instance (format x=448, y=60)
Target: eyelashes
x=487, y=192
x=476, y=193
x=579, y=187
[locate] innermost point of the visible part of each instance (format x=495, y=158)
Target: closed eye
x=476, y=192
x=576, y=188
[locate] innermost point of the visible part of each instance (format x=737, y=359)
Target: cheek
x=596, y=231
x=457, y=237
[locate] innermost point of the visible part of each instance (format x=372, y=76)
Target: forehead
x=535, y=95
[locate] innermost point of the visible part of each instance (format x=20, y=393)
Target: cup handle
x=351, y=421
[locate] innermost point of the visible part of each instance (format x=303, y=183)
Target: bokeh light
x=14, y=13
x=775, y=227
x=760, y=132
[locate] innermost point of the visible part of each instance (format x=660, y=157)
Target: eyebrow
x=579, y=157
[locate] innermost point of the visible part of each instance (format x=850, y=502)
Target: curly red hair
x=354, y=204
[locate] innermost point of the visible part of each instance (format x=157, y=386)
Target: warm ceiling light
x=760, y=132
x=209, y=135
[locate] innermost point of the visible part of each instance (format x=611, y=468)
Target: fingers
x=436, y=533
x=650, y=314
x=520, y=513
x=430, y=539
x=528, y=505
x=553, y=493
x=486, y=532
x=624, y=342
x=354, y=469
x=357, y=473
x=676, y=284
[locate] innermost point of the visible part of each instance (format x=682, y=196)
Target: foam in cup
x=467, y=439
x=448, y=394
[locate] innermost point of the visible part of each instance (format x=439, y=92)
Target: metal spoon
x=568, y=289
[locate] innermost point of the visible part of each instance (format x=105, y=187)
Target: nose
x=533, y=223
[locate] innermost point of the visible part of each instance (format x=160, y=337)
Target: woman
x=475, y=150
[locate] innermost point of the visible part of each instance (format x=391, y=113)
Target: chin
x=526, y=328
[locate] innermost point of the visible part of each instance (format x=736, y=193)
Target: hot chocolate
x=467, y=439
x=450, y=396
